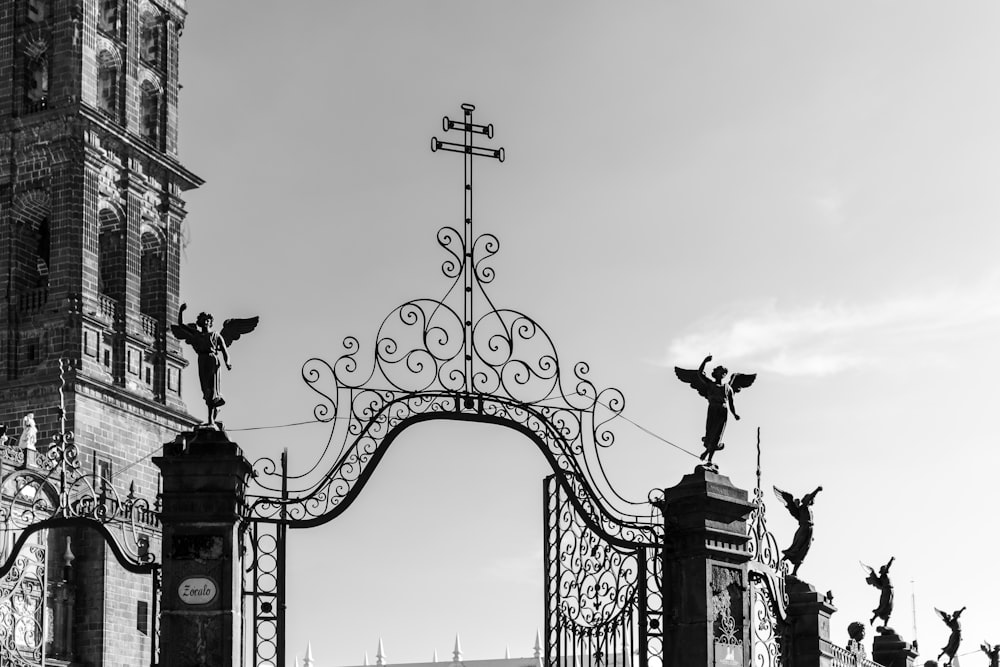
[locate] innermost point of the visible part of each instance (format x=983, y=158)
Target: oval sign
x=198, y=590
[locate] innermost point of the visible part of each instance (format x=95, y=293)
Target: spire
x=435, y=655
x=506, y=652
x=380, y=655
x=456, y=655
x=308, y=660
x=366, y=658
x=538, y=644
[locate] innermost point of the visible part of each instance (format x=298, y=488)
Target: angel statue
x=720, y=396
x=210, y=346
x=993, y=653
x=881, y=581
x=955, y=638
x=801, y=511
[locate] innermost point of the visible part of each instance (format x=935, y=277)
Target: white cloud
x=823, y=339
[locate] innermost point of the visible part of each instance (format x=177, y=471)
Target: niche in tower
x=153, y=278
x=112, y=265
x=109, y=82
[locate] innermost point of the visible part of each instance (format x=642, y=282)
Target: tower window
x=38, y=10
x=107, y=90
x=150, y=44
x=107, y=17
x=111, y=258
x=36, y=85
x=150, y=115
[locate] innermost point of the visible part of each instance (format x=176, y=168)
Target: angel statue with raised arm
x=955, y=638
x=993, y=653
x=884, y=585
x=801, y=511
x=720, y=401
x=213, y=350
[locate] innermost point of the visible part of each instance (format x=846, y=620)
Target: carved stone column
x=204, y=482
x=706, y=601
x=809, y=617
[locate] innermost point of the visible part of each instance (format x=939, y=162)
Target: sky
x=803, y=190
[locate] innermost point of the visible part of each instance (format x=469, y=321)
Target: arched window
x=150, y=102
x=107, y=17
x=32, y=246
x=108, y=84
x=36, y=84
x=111, y=259
x=150, y=36
x=152, y=281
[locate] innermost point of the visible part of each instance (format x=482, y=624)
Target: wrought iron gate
x=603, y=605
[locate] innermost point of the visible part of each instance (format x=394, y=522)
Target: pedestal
x=706, y=601
x=809, y=618
x=891, y=650
x=204, y=481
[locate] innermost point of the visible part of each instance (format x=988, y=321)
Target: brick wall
x=97, y=197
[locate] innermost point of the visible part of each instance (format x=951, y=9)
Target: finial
x=308, y=660
x=380, y=655
x=759, y=487
x=538, y=644
x=366, y=659
x=506, y=652
x=456, y=655
x=435, y=656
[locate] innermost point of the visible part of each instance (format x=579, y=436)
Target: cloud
x=824, y=339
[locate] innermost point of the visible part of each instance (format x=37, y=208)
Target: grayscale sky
x=804, y=190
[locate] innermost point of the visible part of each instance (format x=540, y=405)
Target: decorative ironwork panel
x=766, y=630
x=22, y=606
x=603, y=606
x=263, y=592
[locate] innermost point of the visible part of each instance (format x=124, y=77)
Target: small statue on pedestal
x=29, y=433
x=801, y=511
x=210, y=346
x=992, y=653
x=955, y=638
x=720, y=401
x=881, y=581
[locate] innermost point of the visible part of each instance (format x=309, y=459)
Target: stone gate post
x=204, y=481
x=705, y=588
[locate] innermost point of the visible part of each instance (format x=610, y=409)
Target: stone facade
x=91, y=212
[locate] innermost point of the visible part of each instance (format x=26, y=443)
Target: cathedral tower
x=91, y=215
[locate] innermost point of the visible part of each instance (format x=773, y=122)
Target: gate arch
x=460, y=357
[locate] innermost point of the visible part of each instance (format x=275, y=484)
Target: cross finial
x=469, y=150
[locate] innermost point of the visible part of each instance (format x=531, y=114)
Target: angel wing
x=943, y=615
x=693, y=378
x=739, y=381
x=233, y=328
x=182, y=332
x=788, y=500
x=872, y=578
x=985, y=647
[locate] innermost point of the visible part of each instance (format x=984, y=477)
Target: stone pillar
x=204, y=481
x=809, y=618
x=705, y=588
x=891, y=650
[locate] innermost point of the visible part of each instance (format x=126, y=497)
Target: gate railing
x=603, y=605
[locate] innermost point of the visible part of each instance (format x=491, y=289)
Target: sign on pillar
x=204, y=484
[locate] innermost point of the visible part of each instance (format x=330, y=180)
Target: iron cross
x=469, y=150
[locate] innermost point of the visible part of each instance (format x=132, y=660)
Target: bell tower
x=91, y=215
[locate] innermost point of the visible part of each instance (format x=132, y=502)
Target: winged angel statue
x=882, y=582
x=801, y=511
x=955, y=638
x=720, y=401
x=210, y=347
